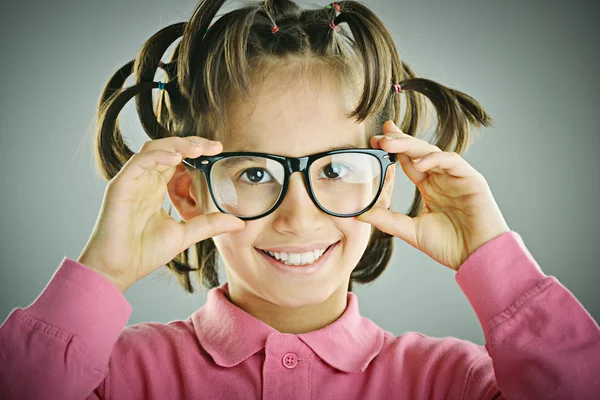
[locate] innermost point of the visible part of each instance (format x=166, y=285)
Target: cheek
x=233, y=245
x=356, y=235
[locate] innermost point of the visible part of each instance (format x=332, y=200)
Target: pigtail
x=194, y=52
x=147, y=62
x=371, y=39
x=455, y=111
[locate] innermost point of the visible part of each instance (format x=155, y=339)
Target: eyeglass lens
x=248, y=186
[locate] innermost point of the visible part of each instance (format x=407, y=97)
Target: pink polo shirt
x=72, y=343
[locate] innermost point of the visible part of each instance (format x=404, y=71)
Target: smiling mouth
x=287, y=262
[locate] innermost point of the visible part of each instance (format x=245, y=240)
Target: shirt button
x=290, y=360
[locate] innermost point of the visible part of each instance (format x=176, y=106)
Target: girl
x=267, y=91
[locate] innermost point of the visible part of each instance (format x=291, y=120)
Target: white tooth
x=308, y=258
x=297, y=258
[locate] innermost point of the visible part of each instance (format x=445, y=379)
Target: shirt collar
x=348, y=344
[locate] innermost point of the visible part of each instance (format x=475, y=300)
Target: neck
x=292, y=320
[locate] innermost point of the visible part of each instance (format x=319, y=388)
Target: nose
x=297, y=214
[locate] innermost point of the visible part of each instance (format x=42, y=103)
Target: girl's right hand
x=133, y=235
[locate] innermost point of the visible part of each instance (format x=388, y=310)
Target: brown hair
x=208, y=64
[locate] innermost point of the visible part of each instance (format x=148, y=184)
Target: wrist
x=96, y=267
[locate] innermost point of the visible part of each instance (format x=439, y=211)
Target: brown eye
x=334, y=170
x=254, y=175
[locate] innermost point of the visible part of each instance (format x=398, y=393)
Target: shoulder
x=148, y=357
x=446, y=364
x=152, y=337
x=419, y=347
x=153, y=346
x=147, y=360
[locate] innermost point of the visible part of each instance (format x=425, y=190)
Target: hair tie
x=160, y=64
x=332, y=25
x=397, y=87
x=161, y=85
x=336, y=6
x=275, y=29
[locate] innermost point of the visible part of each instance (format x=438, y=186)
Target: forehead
x=292, y=115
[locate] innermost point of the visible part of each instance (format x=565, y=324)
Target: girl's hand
x=133, y=235
x=459, y=214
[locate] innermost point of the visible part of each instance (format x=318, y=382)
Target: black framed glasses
x=250, y=185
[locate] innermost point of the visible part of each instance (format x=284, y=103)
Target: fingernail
x=195, y=142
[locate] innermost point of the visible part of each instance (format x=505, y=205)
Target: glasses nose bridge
x=299, y=164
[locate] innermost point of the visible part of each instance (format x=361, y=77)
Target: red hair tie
x=275, y=29
x=397, y=88
x=332, y=25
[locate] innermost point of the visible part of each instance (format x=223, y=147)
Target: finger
x=400, y=225
x=396, y=141
x=208, y=225
x=158, y=160
x=177, y=147
x=189, y=147
x=447, y=161
x=413, y=147
x=408, y=166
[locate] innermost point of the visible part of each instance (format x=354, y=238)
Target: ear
x=183, y=194
x=385, y=198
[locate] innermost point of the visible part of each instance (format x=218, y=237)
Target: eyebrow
x=345, y=146
x=232, y=162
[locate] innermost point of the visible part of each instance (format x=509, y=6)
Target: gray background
x=532, y=65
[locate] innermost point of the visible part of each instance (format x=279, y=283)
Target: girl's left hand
x=459, y=213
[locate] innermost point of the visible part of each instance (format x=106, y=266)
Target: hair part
x=209, y=65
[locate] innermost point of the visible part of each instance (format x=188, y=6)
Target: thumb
x=204, y=226
x=394, y=223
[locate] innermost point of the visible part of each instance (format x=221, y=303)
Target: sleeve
x=542, y=342
x=59, y=346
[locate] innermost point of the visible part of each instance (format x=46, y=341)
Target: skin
x=304, y=117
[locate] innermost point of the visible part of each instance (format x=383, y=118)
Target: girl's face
x=294, y=120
